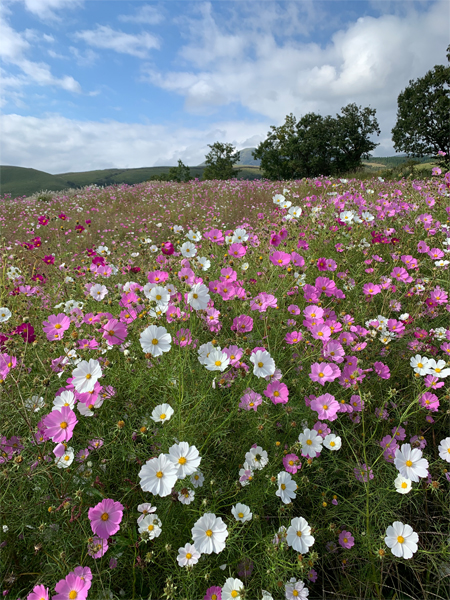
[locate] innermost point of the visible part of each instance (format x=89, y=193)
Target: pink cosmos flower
x=213, y=593
x=215, y=235
x=56, y=325
x=429, y=401
x=228, y=274
x=333, y=350
x=59, y=424
x=323, y=372
x=237, y=250
x=321, y=332
x=363, y=473
x=85, y=574
x=326, y=286
x=294, y=337
x=186, y=275
x=158, y=277
x=313, y=312
x=250, y=400
x=280, y=259
x=346, y=540
x=322, y=429
x=183, y=338
x=326, y=407
x=39, y=593
x=234, y=353
x=242, y=324
x=371, y=289
x=381, y=370
x=277, y=392
x=297, y=259
x=71, y=587
x=97, y=547
x=114, y=332
x=291, y=463
x=293, y=309
x=105, y=518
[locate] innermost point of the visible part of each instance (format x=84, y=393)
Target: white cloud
x=56, y=144
x=147, y=14
x=369, y=62
x=13, y=50
x=124, y=43
x=45, y=9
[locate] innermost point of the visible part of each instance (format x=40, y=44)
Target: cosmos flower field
x=222, y=390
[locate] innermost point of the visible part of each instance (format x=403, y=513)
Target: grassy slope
x=19, y=181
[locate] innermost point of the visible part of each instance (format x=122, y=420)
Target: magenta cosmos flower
x=326, y=407
x=213, y=593
x=60, y=424
x=323, y=372
x=39, y=593
x=291, y=463
x=56, y=325
x=278, y=392
x=280, y=259
x=346, y=540
x=237, y=250
x=250, y=400
x=71, y=587
x=242, y=324
x=105, y=518
x=97, y=547
x=114, y=332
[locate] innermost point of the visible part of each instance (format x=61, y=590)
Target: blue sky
x=99, y=84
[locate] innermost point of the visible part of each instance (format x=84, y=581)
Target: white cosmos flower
x=245, y=474
x=216, y=361
x=409, y=462
x=263, y=363
x=87, y=410
x=367, y=216
x=205, y=350
x=194, y=236
x=162, y=413
x=159, y=294
x=437, y=368
x=295, y=211
x=444, y=449
x=66, y=459
x=346, y=216
x=299, y=535
x=241, y=512
x=188, y=250
x=240, y=236
x=204, y=262
x=209, y=534
x=5, y=314
x=155, y=340
x=402, y=484
x=245, y=266
x=296, y=590
x=146, y=508
x=278, y=199
x=188, y=556
x=286, y=487
x=151, y=525
x=311, y=442
x=98, y=291
x=420, y=364
x=103, y=250
x=85, y=375
x=401, y=539
x=197, y=478
x=158, y=476
x=332, y=442
x=257, y=458
x=66, y=398
x=35, y=403
x=232, y=589
x=186, y=496
x=185, y=458
x=199, y=297
x=178, y=228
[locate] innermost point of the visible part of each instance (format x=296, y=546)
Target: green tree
x=220, y=161
x=181, y=173
x=423, y=115
x=317, y=145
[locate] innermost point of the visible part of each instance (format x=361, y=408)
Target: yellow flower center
x=291, y=463
x=151, y=527
x=195, y=296
x=295, y=593
x=283, y=486
x=188, y=555
x=159, y=474
x=58, y=326
x=182, y=460
x=105, y=516
x=162, y=416
x=400, y=539
x=63, y=425
x=321, y=375
x=218, y=363
x=234, y=594
x=88, y=376
x=309, y=442
x=260, y=365
x=241, y=515
x=299, y=533
x=209, y=532
x=73, y=595
x=154, y=342
x=325, y=407
x=409, y=463
x=276, y=394
x=404, y=485
x=332, y=444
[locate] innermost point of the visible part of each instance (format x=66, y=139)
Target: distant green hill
x=20, y=181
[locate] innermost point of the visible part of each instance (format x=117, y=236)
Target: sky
x=125, y=84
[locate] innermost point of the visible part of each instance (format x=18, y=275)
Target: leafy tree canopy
x=181, y=173
x=317, y=145
x=220, y=161
x=423, y=115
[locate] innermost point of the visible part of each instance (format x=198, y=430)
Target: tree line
x=317, y=145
